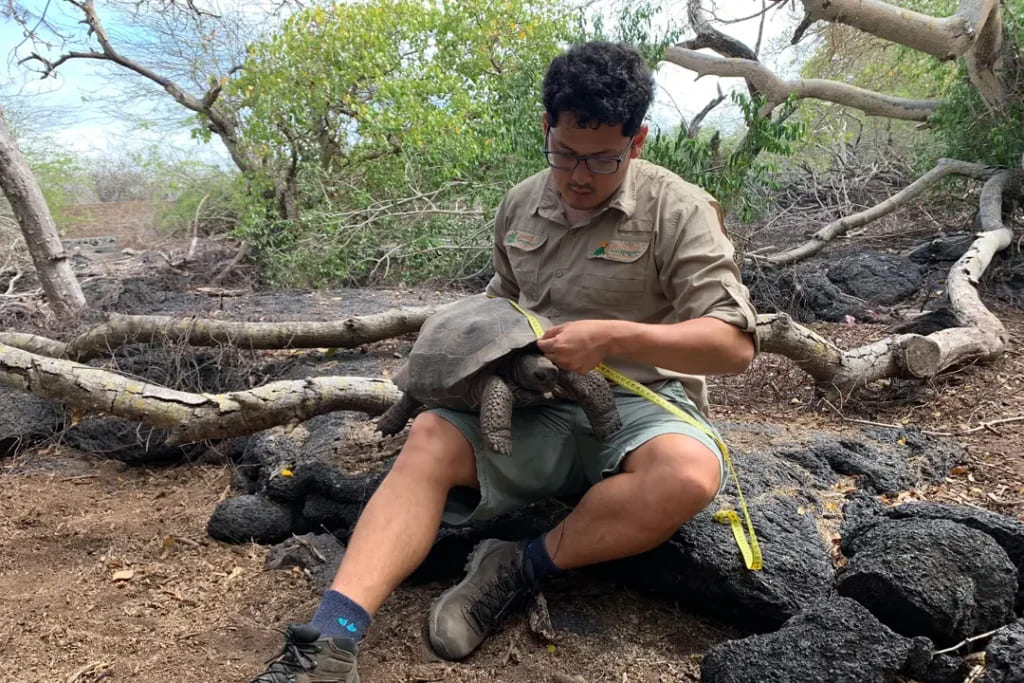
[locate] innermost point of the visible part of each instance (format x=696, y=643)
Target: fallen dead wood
x=836, y=228
x=981, y=336
x=139, y=329
x=827, y=363
x=188, y=416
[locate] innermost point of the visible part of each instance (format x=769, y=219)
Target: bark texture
x=776, y=90
x=121, y=330
x=63, y=293
x=191, y=417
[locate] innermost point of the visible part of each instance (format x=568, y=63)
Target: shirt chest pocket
x=615, y=275
x=524, y=256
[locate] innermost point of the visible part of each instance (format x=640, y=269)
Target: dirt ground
x=107, y=573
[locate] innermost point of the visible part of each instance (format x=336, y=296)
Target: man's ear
x=638, y=142
x=544, y=122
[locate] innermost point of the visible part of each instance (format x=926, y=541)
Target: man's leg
x=649, y=478
x=392, y=537
x=400, y=522
x=663, y=483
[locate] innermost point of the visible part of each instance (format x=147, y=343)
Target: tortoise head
x=532, y=370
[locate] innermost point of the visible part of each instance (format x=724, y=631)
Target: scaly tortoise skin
x=480, y=354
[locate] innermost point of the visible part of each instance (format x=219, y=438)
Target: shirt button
x=560, y=273
x=555, y=313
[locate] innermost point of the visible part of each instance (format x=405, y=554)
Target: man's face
x=581, y=188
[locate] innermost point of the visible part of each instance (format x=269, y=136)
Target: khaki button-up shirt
x=655, y=252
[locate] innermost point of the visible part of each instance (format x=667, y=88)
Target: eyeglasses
x=564, y=161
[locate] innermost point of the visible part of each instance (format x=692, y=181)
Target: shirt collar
x=548, y=203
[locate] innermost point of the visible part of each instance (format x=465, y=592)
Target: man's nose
x=581, y=174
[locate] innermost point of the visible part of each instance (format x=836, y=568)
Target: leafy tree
x=389, y=99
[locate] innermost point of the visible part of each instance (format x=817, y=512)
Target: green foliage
x=736, y=171
x=646, y=25
x=384, y=100
x=62, y=176
x=968, y=128
x=963, y=126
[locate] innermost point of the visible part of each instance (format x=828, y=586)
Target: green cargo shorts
x=556, y=455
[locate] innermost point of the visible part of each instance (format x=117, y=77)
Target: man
x=633, y=266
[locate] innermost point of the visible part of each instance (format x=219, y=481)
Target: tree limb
x=191, y=417
x=974, y=31
x=140, y=329
x=824, y=361
x=836, y=228
x=778, y=90
x=220, y=124
x=942, y=37
x=710, y=37
x=981, y=336
x=695, y=123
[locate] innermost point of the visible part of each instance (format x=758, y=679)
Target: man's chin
x=581, y=201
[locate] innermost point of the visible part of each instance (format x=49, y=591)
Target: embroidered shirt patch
x=524, y=240
x=619, y=250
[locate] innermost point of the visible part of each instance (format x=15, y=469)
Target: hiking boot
x=498, y=580
x=308, y=658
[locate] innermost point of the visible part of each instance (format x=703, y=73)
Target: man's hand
x=578, y=346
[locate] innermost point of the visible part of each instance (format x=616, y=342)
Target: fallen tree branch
x=195, y=230
x=972, y=639
x=777, y=90
x=981, y=335
x=824, y=361
x=839, y=227
x=33, y=343
x=243, y=251
x=191, y=417
x=121, y=330
x=13, y=283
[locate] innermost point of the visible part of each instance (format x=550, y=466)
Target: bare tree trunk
x=60, y=285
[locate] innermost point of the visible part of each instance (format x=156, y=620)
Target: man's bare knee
x=437, y=452
x=682, y=475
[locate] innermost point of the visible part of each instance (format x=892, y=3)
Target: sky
x=67, y=109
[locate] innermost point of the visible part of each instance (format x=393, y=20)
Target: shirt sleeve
x=503, y=283
x=697, y=270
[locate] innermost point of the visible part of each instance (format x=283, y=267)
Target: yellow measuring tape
x=751, y=551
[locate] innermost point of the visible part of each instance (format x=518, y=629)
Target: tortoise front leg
x=394, y=418
x=594, y=395
x=496, y=415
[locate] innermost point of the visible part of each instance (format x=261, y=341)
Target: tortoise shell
x=455, y=344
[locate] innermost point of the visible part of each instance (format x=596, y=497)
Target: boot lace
x=294, y=658
x=495, y=597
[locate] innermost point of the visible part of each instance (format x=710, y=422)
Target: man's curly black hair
x=601, y=83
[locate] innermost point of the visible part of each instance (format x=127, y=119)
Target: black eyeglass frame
x=586, y=158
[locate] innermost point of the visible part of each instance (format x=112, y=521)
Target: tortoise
x=480, y=354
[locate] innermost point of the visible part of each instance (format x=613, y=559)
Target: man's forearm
x=703, y=346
